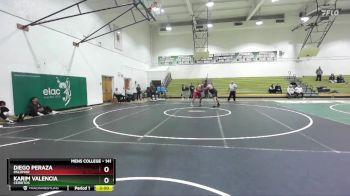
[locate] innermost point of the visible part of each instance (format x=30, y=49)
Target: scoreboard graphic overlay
x=77, y=174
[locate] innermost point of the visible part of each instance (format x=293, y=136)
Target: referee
x=232, y=88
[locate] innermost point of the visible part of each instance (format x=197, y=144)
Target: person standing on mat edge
x=232, y=88
x=319, y=73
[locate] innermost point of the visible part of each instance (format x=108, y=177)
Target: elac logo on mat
x=65, y=86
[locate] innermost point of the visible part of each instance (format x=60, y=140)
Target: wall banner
x=56, y=91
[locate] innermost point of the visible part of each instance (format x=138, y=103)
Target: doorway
x=126, y=84
x=107, y=88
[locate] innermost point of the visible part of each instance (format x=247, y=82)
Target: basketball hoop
x=156, y=7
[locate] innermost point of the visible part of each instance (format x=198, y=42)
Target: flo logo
x=65, y=86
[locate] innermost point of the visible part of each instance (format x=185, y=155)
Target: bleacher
x=257, y=86
x=247, y=86
x=342, y=89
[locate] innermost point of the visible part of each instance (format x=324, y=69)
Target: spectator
x=4, y=112
x=163, y=90
x=129, y=95
x=299, y=91
x=278, y=88
x=36, y=109
x=332, y=79
x=340, y=79
x=232, y=88
x=159, y=92
x=319, y=73
x=148, y=91
x=290, y=91
x=272, y=89
x=138, y=90
x=185, y=92
x=118, y=95
x=153, y=92
x=191, y=90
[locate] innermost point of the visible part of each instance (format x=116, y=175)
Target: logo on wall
x=55, y=93
x=65, y=86
x=330, y=12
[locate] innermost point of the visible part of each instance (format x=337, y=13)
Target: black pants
x=119, y=97
x=232, y=94
x=46, y=110
x=138, y=96
x=2, y=115
x=318, y=77
x=3, y=109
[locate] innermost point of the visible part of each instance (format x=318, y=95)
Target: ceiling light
x=259, y=22
x=210, y=25
x=210, y=3
x=304, y=18
x=118, y=32
x=274, y=1
x=168, y=28
x=155, y=9
x=162, y=10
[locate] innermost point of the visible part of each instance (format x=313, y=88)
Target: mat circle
x=166, y=112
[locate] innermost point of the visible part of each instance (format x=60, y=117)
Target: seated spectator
x=293, y=84
x=118, y=95
x=290, y=91
x=129, y=95
x=4, y=112
x=272, y=89
x=332, y=79
x=36, y=109
x=278, y=89
x=340, y=79
x=298, y=91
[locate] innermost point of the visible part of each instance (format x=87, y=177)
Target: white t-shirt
x=298, y=89
x=233, y=87
x=290, y=90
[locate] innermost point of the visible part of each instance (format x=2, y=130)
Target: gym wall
x=48, y=49
x=333, y=56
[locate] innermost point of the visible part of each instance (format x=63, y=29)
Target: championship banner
x=56, y=91
x=220, y=58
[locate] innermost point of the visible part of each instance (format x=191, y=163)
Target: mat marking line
x=24, y=126
x=50, y=193
x=213, y=139
x=306, y=136
x=109, y=122
x=221, y=130
x=13, y=132
x=177, y=109
x=186, y=145
x=156, y=127
x=22, y=142
x=188, y=183
x=332, y=108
